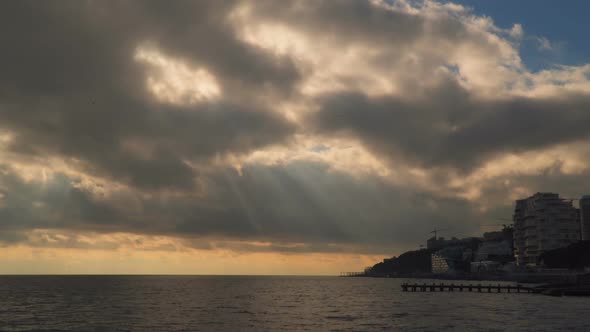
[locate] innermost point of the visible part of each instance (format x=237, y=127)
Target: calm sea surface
x=212, y=303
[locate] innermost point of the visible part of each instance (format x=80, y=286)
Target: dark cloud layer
x=448, y=127
x=298, y=203
x=72, y=89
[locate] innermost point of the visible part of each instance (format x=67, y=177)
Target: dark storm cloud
x=302, y=203
x=54, y=204
x=549, y=179
x=448, y=127
x=72, y=90
x=70, y=86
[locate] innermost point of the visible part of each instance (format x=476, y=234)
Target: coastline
x=554, y=277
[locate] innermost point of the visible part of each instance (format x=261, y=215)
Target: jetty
x=479, y=288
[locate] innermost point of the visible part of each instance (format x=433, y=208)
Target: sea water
x=269, y=303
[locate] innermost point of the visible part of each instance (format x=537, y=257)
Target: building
x=451, y=260
x=441, y=242
x=543, y=222
x=436, y=242
x=585, y=217
x=496, y=246
x=439, y=264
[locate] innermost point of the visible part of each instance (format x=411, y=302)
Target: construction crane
x=435, y=231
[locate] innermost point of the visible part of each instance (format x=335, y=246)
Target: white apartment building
x=585, y=217
x=543, y=222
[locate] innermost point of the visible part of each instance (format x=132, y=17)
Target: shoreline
x=528, y=278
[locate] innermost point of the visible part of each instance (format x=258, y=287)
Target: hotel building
x=543, y=222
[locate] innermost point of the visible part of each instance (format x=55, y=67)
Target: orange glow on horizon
x=29, y=260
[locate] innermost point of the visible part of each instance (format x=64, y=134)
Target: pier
x=479, y=288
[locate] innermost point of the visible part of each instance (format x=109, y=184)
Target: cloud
x=301, y=202
x=265, y=126
x=544, y=44
x=517, y=31
x=76, y=89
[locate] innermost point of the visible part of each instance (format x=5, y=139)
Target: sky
x=560, y=25
x=279, y=137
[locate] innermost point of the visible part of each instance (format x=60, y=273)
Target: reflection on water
x=210, y=303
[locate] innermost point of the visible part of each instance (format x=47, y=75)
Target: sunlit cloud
x=173, y=81
x=328, y=67
x=340, y=154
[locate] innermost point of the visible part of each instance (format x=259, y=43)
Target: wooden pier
x=479, y=288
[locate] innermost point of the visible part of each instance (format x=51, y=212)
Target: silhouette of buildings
x=452, y=256
x=547, y=233
x=451, y=259
x=496, y=246
x=543, y=222
x=585, y=217
x=439, y=263
x=441, y=242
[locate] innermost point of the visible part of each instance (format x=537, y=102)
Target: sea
x=270, y=303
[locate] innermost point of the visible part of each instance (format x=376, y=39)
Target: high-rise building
x=585, y=217
x=543, y=222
